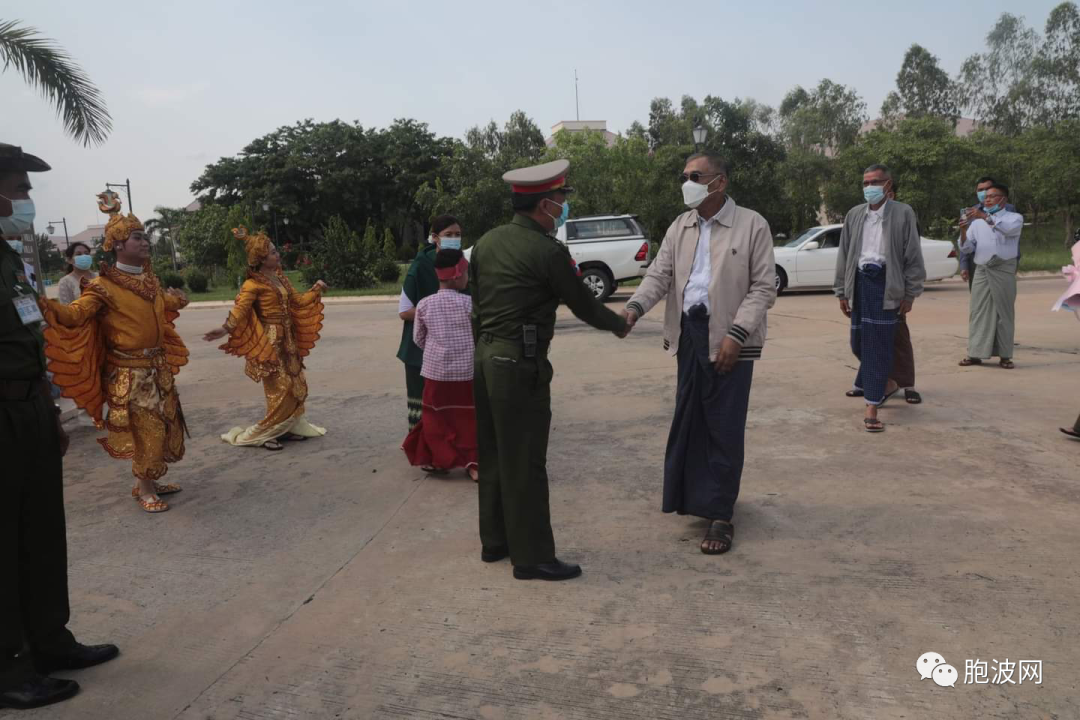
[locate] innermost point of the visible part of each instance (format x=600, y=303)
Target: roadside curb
x=342, y=300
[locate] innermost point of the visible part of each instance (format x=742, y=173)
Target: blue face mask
x=994, y=209
x=16, y=245
x=83, y=262
x=450, y=243
x=981, y=194
x=873, y=194
x=563, y=216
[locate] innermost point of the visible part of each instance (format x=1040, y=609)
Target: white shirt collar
x=129, y=269
x=878, y=215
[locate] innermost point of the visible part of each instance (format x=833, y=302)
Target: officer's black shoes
x=37, y=691
x=557, y=570
x=490, y=555
x=77, y=657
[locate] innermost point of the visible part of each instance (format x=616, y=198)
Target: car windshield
x=805, y=236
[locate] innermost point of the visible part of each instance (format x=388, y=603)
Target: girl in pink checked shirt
x=445, y=438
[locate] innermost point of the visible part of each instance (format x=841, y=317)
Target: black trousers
x=33, y=536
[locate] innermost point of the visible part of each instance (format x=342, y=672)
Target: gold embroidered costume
x=117, y=343
x=273, y=327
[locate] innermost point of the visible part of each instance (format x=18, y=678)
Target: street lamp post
x=51, y=229
x=127, y=185
x=266, y=208
x=700, y=133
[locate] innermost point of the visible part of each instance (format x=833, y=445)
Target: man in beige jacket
x=716, y=270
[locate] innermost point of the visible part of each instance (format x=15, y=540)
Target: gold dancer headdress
x=257, y=246
x=119, y=227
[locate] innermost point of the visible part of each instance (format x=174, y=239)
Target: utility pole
x=577, y=105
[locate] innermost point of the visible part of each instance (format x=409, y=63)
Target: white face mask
x=695, y=193
x=16, y=245
x=21, y=218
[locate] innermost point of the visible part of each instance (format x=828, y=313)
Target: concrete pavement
x=333, y=581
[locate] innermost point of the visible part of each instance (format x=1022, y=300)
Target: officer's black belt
x=541, y=345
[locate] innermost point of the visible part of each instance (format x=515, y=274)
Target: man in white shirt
x=879, y=273
x=992, y=236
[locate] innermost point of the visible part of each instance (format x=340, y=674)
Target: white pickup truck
x=608, y=249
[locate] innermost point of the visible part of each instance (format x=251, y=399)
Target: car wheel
x=598, y=281
x=781, y=280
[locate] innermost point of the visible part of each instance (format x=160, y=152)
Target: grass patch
x=1043, y=258
x=1043, y=248
x=225, y=293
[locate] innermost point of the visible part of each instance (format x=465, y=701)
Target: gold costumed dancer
x=273, y=327
x=117, y=342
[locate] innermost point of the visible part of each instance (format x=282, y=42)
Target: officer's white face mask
x=21, y=219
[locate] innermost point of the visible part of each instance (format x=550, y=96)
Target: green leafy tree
x=931, y=167
x=389, y=247
x=312, y=171
x=826, y=119
x=200, y=239
x=340, y=258
x=52, y=259
x=1050, y=174
x=1057, y=65
x=472, y=189
x=922, y=88
x=235, y=249
x=161, y=229
x=999, y=86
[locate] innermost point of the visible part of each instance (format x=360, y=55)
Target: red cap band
x=536, y=189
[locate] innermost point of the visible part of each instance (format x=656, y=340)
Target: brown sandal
x=873, y=425
x=719, y=531
x=968, y=361
x=1007, y=363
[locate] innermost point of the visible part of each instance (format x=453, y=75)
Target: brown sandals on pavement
x=720, y=531
x=873, y=425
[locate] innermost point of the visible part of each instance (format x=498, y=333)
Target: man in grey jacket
x=879, y=273
x=716, y=270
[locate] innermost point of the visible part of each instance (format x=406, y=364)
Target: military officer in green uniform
x=518, y=274
x=33, y=537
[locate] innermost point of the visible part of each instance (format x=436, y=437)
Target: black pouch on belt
x=530, y=342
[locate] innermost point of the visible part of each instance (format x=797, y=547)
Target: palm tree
x=48, y=67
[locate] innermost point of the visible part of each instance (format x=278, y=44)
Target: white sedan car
x=809, y=261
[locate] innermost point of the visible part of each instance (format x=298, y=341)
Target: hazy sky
x=190, y=82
